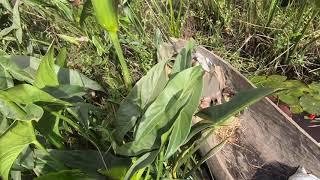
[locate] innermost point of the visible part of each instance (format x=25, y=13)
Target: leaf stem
x=125, y=71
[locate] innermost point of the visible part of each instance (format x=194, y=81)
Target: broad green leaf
x=183, y=121
x=14, y=111
x=88, y=161
x=65, y=91
x=7, y=65
x=310, y=104
x=6, y=80
x=220, y=113
x=116, y=173
x=198, y=128
x=81, y=114
x=257, y=80
x=27, y=94
x=48, y=126
x=65, y=76
x=4, y=124
x=184, y=59
x=288, y=98
x=274, y=81
x=6, y=4
x=142, y=94
x=169, y=102
x=142, y=162
x=62, y=57
x=315, y=86
x=12, y=143
x=149, y=143
x=66, y=175
x=46, y=75
x=296, y=108
x=106, y=12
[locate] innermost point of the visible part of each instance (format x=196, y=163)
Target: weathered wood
x=269, y=144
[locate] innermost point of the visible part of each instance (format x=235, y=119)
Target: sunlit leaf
x=46, y=75
x=62, y=57
x=142, y=94
x=12, y=143
x=182, y=124
x=142, y=162
x=218, y=114
x=27, y=94
x=168, y=103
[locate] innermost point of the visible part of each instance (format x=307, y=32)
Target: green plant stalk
x=126, y=74
x=300, y=15
x=314, y=14
x=106, y=12
x=272, y=11
x=160, y=164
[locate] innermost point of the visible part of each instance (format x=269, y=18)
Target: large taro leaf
x=14, y=111
x=142, y=94
x=220, y=113
x=169, y=102
x=15, y=72
x=46, y=75
x=65, y=76
x=183, y=121
x=66, y=175
x=12, y=142
x=28, y=94
x=65, y=91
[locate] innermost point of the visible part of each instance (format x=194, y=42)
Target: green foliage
x=13, y=141
x=162, y=125
x=297, y=95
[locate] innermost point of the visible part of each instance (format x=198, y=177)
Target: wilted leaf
x=142, y=162
x=12, y=143
x=141, y=95
x=66, y=175
x=218, y=114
